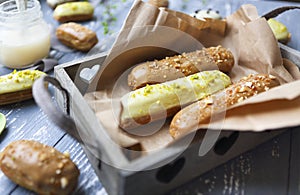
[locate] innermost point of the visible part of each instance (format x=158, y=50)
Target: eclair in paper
x=185, y=64
x=154, y=102
x=188, y=119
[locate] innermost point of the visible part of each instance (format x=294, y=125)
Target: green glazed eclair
x=16, y=86
x=74, y=11
x=280, y=31
x=154, y=102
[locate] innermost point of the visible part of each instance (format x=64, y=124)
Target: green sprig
x=109, y=17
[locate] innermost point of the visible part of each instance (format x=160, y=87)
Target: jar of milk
x=24, y=35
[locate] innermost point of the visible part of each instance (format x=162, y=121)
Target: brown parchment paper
x=246, y=34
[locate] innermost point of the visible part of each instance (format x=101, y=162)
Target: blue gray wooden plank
x=25, y=121
x=88, y=181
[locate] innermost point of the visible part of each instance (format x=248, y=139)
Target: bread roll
x=158, y=101
x=39, y=167
x=188, y=119
x=76, y=36
x=170, y=68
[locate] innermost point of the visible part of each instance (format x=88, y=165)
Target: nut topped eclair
x=39, y=167
x=170, y=68
x=188, y=119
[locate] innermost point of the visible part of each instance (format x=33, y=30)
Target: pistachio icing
x=161, y=97
x=18, y=80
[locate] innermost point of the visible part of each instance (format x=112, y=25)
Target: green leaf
x=105, y=27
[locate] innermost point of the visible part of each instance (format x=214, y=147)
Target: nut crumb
x=52, y=180
x=60, y=165
x=58, y=171
x=67, y=154
x=63, y=182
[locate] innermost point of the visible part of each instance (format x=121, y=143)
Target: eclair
x=170, y=68
x=188, y=119
x=39, y=167
x=280, y=31
x=76, y=36
x=154, y=102
x=17, y=85
x=73, y=12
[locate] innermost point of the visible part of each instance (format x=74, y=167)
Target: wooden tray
x=154, y=173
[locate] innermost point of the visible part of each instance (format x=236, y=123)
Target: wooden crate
x=113, y=167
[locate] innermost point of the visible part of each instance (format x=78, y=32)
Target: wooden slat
x=25, y=121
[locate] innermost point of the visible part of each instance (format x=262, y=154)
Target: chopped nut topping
x=52, y=180
x=58, y=171
x=64, y=182
x=66, y=154
x=209, y=101
x=42, y=157
x=176, y=60
x=60, y=165
x=272, y=77
x=249, y=84
x=177, y=66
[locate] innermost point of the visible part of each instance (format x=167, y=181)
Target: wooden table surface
x=271, y=168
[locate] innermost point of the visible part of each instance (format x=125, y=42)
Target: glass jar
x=24, y=35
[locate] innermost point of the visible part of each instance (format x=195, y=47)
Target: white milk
x=19, y=49
x=24, y=35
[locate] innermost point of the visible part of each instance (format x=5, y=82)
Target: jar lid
x=9, y=12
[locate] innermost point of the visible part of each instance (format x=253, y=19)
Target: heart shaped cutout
x=168, y=172
x=224, y=144
x=88, y=74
